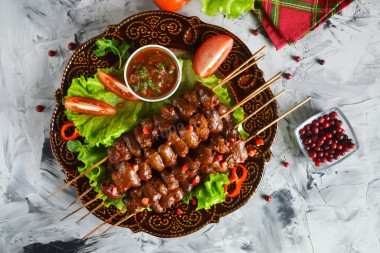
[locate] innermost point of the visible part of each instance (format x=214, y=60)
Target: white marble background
x=337, y=210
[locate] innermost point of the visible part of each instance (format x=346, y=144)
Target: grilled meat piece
x=222, y=109
x=170, y=114
x=156, y=207
x=185, y=109
x=162, y=124
x=125, y=177
x=186, y=186
x=193, y=164
x=241, y=151
x=204, y=154
x=169, y=180
x=108, y=188
x=149, y=191
x=215, y=123
x=167, y=201
x=159, y=186
x=189, y=137
x=144, y=172
x=137, y=195
x=132, y=205
x=218, y=143
x=230, y=134
x=178, y=194
x=154, y=159
x=113, y=155
x=179, y=173
x=149, y=125
x=121, y=147
x=191, y=96
x=167, y=154
x=207, y=97
x=179, y=146
x=144, y=140
x=132, y=144
x=205, y=172
x=200, y=124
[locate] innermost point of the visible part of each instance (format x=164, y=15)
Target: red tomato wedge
x=89, y=106
x=171, y=5
x=116, y=86
x=211, y=54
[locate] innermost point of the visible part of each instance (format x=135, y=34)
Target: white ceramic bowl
x=178, y=76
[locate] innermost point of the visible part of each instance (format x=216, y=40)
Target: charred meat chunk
x=113, y=155
x=149, y=126
x=132, y=205
x=189, y=136
x=218, y=143
x=110, y=190
x=204, y=154
x=222, y=109
x=162, y=124
x=167, y=154
x=169, y=113
x=179, y=173
x=169, y=180
x=200, y=124
x=144, y=172
x=179, y=146
x=159, y=186
x=207, y=97
x=120, y=146
x=191, y=96
x=215, y=123
x=185, y=109
x=132, y=144
x=125, y=177
x=154, y=159
x=149, y=191
x=144, y=140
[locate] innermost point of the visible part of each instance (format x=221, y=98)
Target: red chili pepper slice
x=223, y=165
x=259, y=142
x=114, y=190
x=193, y=201
x=73, y=136
x=220, y=157
x=190, y=128
x=120, y=105
x=185, y=167
x=179, y=211
x=135, y=167
x=238, y=180
x=196, y=180
x=145, y=201
x=252, y=153
x=146, y=130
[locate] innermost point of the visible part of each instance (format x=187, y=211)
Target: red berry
x=255, y=32
x=40, y=108
x=51, y=53
x=329, y=135
x=339, y=147
x=321, y=120
x=326, y=117
x=297, y=58
x=330, y=159
x=318, y=163
x=326, y=125
x=71, y=46
x=268, y=198
x=302, y=131
x=312, y=154
x=288, y=76
x=286, y=164
x=322, y=62
x=352, y=145
x=333, y=114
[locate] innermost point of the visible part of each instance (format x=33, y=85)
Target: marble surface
x=336, y=210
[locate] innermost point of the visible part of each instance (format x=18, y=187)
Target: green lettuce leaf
x=210, y=193
x=233, y=8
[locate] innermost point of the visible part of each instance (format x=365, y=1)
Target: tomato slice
x=171, y=5
x=211, y=54
x=116, y=86
x=89, y=106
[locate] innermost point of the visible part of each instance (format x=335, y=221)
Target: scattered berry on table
x=255, y=32
x=40, y=108
x=71, y=46
x=322, y=62
x=286, y=164
x=288, y=76
x=297, y=58
x=51, y=53
x=268, y=198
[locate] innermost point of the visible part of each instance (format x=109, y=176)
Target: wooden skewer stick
x=117, y=224
x=104, y=223
x=75, y=201
x=237, y=73
x=92, y=211
x=229, y=77
x=79, y=176
x=262, y=107
x=276, y=120
x=80, y=208
x=272, y=81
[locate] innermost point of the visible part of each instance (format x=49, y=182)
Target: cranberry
x=336, y=156
x=255, y=32
x=320, y=154
x=341, y=131
x=40, y=108
x=339, y=122
x=268, y=198
x=331, y=151
x=333, y=114
x=71, y=46
x=321, y=120
x=322, y=62
x=317, y=148
x=315, y=130
x=312, y=154
x=346, y=149
x=325, y=153
x=333, y=131
x=297, y=58
x=314, y=137
x=329, y=135
x=326, y=117
x=324, y=159
x=286, y=164
x=352, y=145
x=335, y=141
x=307, y=147
x=307, y=127
x=302, y=131
x=345, y=137
x=318, y=163
x=288, y=76
x=51, y=53
x=333, y=146
x=326, y=125
x=330, y=159
x=312, y=145
x=309, y=132
x=332, y=122
x=328, y=141
x=339, y=147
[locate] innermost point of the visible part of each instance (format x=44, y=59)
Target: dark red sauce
x=152, y=73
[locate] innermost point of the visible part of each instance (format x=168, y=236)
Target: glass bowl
x=345, y=125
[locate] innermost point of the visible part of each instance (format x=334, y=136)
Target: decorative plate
x=186, y=34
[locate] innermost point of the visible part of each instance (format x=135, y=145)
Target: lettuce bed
x=100, y=132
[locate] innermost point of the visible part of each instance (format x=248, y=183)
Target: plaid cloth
x=287, y=21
